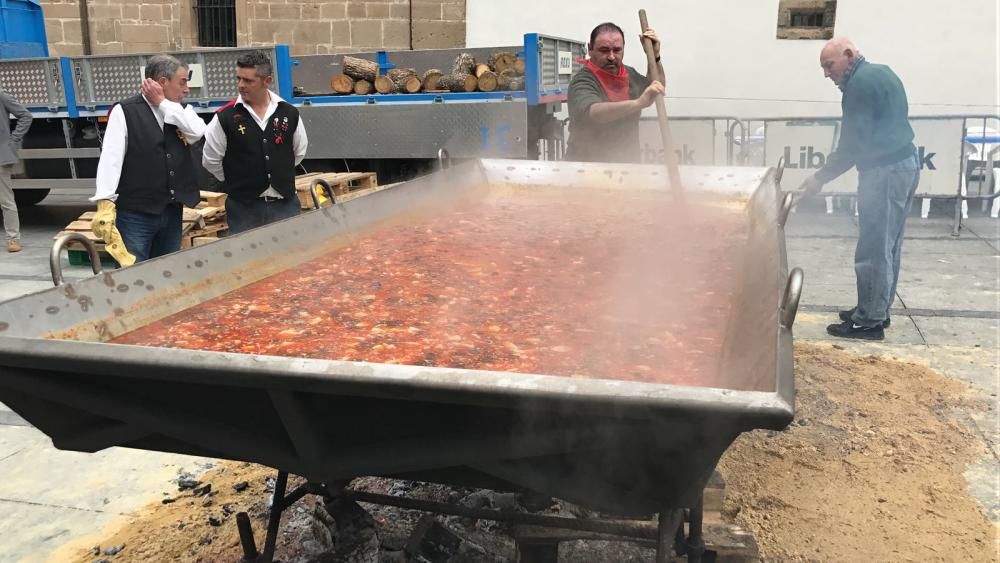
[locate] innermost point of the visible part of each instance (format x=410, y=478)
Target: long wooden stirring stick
x=653, y=73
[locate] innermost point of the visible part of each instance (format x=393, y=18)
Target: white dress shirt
x=215, y=141
x=109, y=167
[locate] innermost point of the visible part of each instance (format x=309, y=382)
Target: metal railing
x=35, y=83
x=952, y=159
x=101, y=81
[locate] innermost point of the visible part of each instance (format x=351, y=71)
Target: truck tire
x=27, y=198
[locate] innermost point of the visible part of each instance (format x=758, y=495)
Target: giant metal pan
x=615, y=445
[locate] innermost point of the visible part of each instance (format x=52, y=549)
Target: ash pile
x=344, y=531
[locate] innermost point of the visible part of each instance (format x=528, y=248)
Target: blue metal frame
x=22, y=30
x=560, y=94
x=101, y=110
x=532, y=73
x=283, y=56
x=384, y=64
x=409, y=98
x=283, y=70
x=69, y=86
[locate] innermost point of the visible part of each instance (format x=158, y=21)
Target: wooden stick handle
x=653, y=73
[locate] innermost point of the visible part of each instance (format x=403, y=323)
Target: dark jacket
x=256, y=159
x=157, y=169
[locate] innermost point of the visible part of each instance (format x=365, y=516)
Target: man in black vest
x=146, y=174
x=252, y=146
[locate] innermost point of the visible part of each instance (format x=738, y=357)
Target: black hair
x=257, y=60
x=603, y=28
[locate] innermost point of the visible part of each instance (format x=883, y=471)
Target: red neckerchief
x=615, y=86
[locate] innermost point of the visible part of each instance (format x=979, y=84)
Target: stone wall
x=309, y=27
x=118, y=26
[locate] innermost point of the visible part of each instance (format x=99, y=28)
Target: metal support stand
x=537, y=552
x=68, y=131
x=246, y=538
x=957, y=225
x=668, y=531
x=279, y=503
x=695, y=544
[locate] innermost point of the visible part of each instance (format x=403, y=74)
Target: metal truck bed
x=622, y=446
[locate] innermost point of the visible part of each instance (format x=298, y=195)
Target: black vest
x=158, y=169
x=255, y=158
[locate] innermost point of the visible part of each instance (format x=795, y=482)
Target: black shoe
x=848, y=329
x=846, y=316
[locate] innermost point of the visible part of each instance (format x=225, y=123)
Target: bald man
x=876, y=137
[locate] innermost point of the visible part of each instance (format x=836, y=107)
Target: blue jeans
x=148, y=235
x=884, y=197
x=245, y=216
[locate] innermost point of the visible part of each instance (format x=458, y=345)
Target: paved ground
x=946, y=315
x=48, y=496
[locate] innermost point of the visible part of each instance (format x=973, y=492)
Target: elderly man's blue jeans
x=148, y=235
x=884, y=197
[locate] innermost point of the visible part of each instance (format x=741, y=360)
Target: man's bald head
x=836, y=57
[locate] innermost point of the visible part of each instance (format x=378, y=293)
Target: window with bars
x=216, y=22
x=806, y=19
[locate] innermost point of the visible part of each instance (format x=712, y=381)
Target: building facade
x=308, y=27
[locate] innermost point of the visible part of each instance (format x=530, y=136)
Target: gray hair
x=257, y=60
x=163, y=66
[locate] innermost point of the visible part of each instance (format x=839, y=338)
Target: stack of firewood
x=503, y=71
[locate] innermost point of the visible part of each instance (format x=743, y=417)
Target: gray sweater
x=617, y=141
x=10, y=140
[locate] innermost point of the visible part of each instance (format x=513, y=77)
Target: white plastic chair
x=983, y=162
x=968, y=149
x=993, y=179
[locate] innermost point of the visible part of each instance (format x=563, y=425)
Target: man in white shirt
x=253, y=145
x=146, y=173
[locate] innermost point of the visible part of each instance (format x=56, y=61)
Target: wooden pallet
x=206, y=221
x=203, y=224
x=341, y=183
x=213, y=199
x=209, y=232
x=359, y=193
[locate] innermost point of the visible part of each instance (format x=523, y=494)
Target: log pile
x=502, y=71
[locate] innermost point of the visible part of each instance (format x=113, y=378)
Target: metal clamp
x=444, y=159
x=55, y=262
x=779, y=171
x=730, y=152
x=790, y=301
x=315, y=194
x=785, y=209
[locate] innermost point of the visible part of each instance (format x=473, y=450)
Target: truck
x=395, y=135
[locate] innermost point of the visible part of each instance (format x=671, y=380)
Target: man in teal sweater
x=876, y=137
